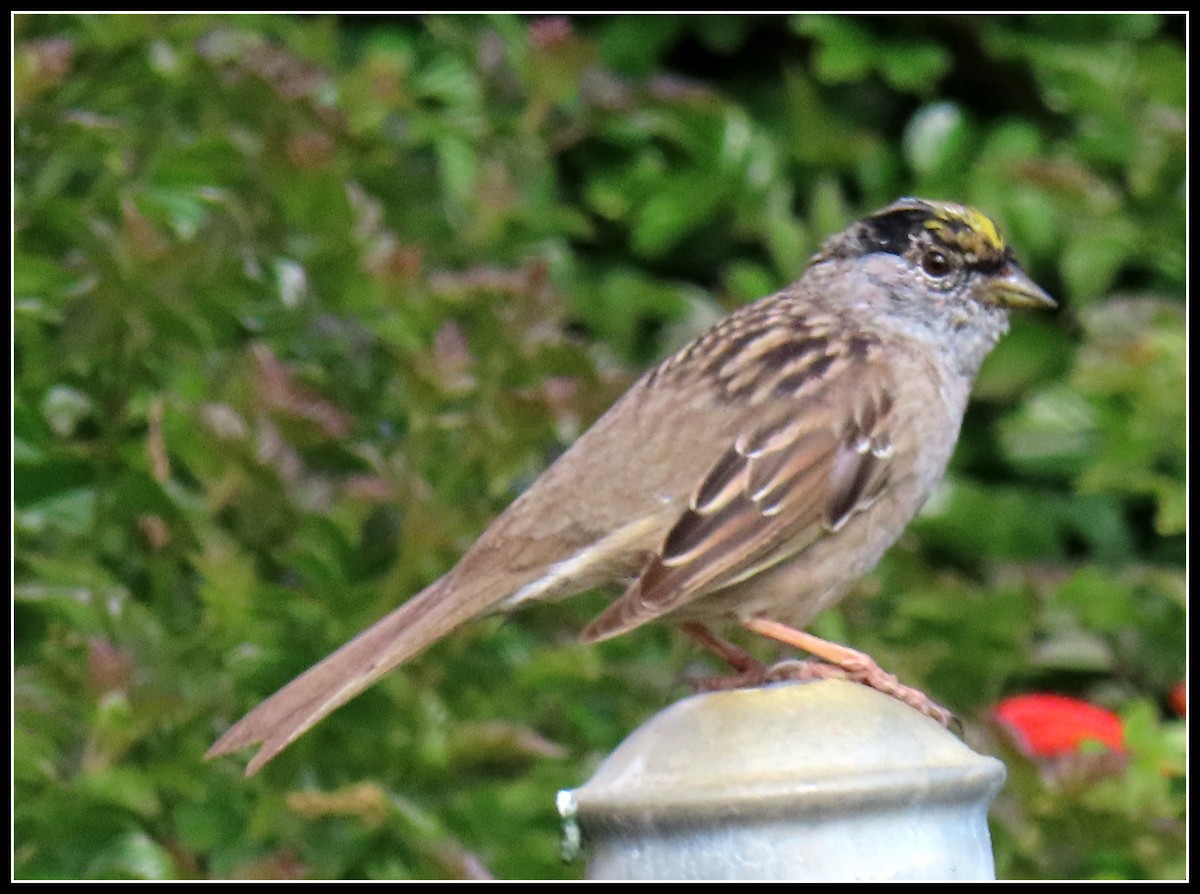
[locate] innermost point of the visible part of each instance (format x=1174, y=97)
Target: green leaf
x=133, y=856
x=935, y=138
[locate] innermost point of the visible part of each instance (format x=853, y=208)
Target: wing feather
x=775, y=491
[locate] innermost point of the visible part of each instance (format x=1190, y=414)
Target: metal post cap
x=827, y=780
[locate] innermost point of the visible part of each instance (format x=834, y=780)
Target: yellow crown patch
x=969, y=230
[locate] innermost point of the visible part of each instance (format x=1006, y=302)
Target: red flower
x=1178, y=698
x=1045, y=725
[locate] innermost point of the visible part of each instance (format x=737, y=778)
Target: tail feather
x=325, y=686
x=493, y=574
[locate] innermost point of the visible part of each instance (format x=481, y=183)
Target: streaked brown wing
x=774, y=492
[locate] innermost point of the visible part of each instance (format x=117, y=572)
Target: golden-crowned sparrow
x=753, y=476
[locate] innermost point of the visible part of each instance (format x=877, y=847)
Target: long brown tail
x=410, y=629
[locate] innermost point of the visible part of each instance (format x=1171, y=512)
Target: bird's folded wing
x=775, y=491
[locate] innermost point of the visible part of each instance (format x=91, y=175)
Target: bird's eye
x=936, y=262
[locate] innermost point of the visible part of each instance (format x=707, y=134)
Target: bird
x=751, y=478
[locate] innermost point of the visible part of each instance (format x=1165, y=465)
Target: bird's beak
x=1016, y=289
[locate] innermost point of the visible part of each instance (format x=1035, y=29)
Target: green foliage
x=301, y=302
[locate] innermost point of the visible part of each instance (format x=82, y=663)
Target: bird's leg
x=851, y=664
x=748, y=670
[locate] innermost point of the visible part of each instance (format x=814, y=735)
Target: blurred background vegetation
x=300, y=303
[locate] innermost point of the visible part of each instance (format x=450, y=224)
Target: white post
x=802, y=781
